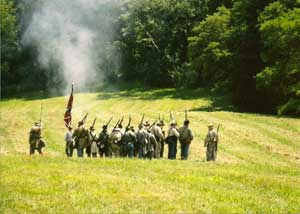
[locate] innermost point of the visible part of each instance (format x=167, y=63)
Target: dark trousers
x=185, y=151
x=172, y=150
x=130, y=150
x=69, y=149
x=162, y=146
x=88, y=151
x=80, y=152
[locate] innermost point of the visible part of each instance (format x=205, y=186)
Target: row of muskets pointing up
x=146, y=142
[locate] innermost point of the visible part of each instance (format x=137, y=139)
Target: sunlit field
x=258, y=166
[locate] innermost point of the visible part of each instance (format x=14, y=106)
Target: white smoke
x=70, y=33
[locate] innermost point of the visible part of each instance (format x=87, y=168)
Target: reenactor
x=80, y=137
x=115, y=140
x=159, y=137
x=211, y=143
x=128, y=142
x=185, y=138
x=171, y=140
x=36, y=141
x=141, y=138
x=103, y=143
x=93, y=143
x=149, y=145
x=69, y=142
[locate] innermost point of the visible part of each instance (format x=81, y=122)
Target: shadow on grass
x=218, y=102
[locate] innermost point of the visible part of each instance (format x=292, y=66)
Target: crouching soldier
x=211, y=143
x=36, y=141
x=69, y=142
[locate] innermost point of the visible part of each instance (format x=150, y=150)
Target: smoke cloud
x=75, y=35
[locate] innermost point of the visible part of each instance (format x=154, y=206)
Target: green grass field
x=258, y=167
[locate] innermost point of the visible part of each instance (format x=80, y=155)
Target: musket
x=94, y=122
x=129, y=122
x=116, y=125
x=109, y=121
x=84, y=118
x=152, y=125
x=142, y=120
x=41, y=113
x=186, y=117
x=121, y=121
x=172, y=117
x=217, y=135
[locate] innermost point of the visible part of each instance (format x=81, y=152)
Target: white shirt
x=68, y=137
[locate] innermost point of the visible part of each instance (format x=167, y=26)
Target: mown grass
x=258, y=167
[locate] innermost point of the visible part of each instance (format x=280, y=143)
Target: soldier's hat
x=173, y=123
x=36, y=123
x=161, y=123
x=104, y=127
x=186, y=122
x=210, y=125
x=147, y=123
x=92, y=128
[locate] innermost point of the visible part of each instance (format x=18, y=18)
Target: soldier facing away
x=80, y=136
x=171, y=140
x=115, y=140
x=93, y=142
x=185, y=138
x=69, y=142
x=36, y=141
x=211, y=143
x=103, y=143
x=158, y=134
x=128, y=142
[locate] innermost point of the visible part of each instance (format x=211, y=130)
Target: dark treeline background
x=249, y=48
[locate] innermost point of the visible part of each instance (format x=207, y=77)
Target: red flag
x=68, y=113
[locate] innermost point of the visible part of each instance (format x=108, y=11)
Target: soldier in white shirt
x=171, y=140
x=69, y=142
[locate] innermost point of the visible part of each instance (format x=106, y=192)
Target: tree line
x=249, y=48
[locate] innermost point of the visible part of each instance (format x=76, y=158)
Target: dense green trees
x=250, y=48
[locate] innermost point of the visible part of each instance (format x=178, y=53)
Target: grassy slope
x=257, y=169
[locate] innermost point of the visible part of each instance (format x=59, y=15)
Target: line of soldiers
x=147, y=142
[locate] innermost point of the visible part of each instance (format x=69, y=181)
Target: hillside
x=257, y=168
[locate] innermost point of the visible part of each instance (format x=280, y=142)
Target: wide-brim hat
x=210, y=125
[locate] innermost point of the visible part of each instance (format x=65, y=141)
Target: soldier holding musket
x=211, y=143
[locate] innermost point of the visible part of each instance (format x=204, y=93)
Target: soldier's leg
x=130, y=147
x=67, y=149
x=182, y=148
x=31, y=149
x=175, y=151
x=71, y=149
x=169, y=150
x=162, y=147
x=88, y=151
x=157, y=152
x=187, y=148
x=214, y=153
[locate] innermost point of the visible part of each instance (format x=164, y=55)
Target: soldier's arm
x=191, y=134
